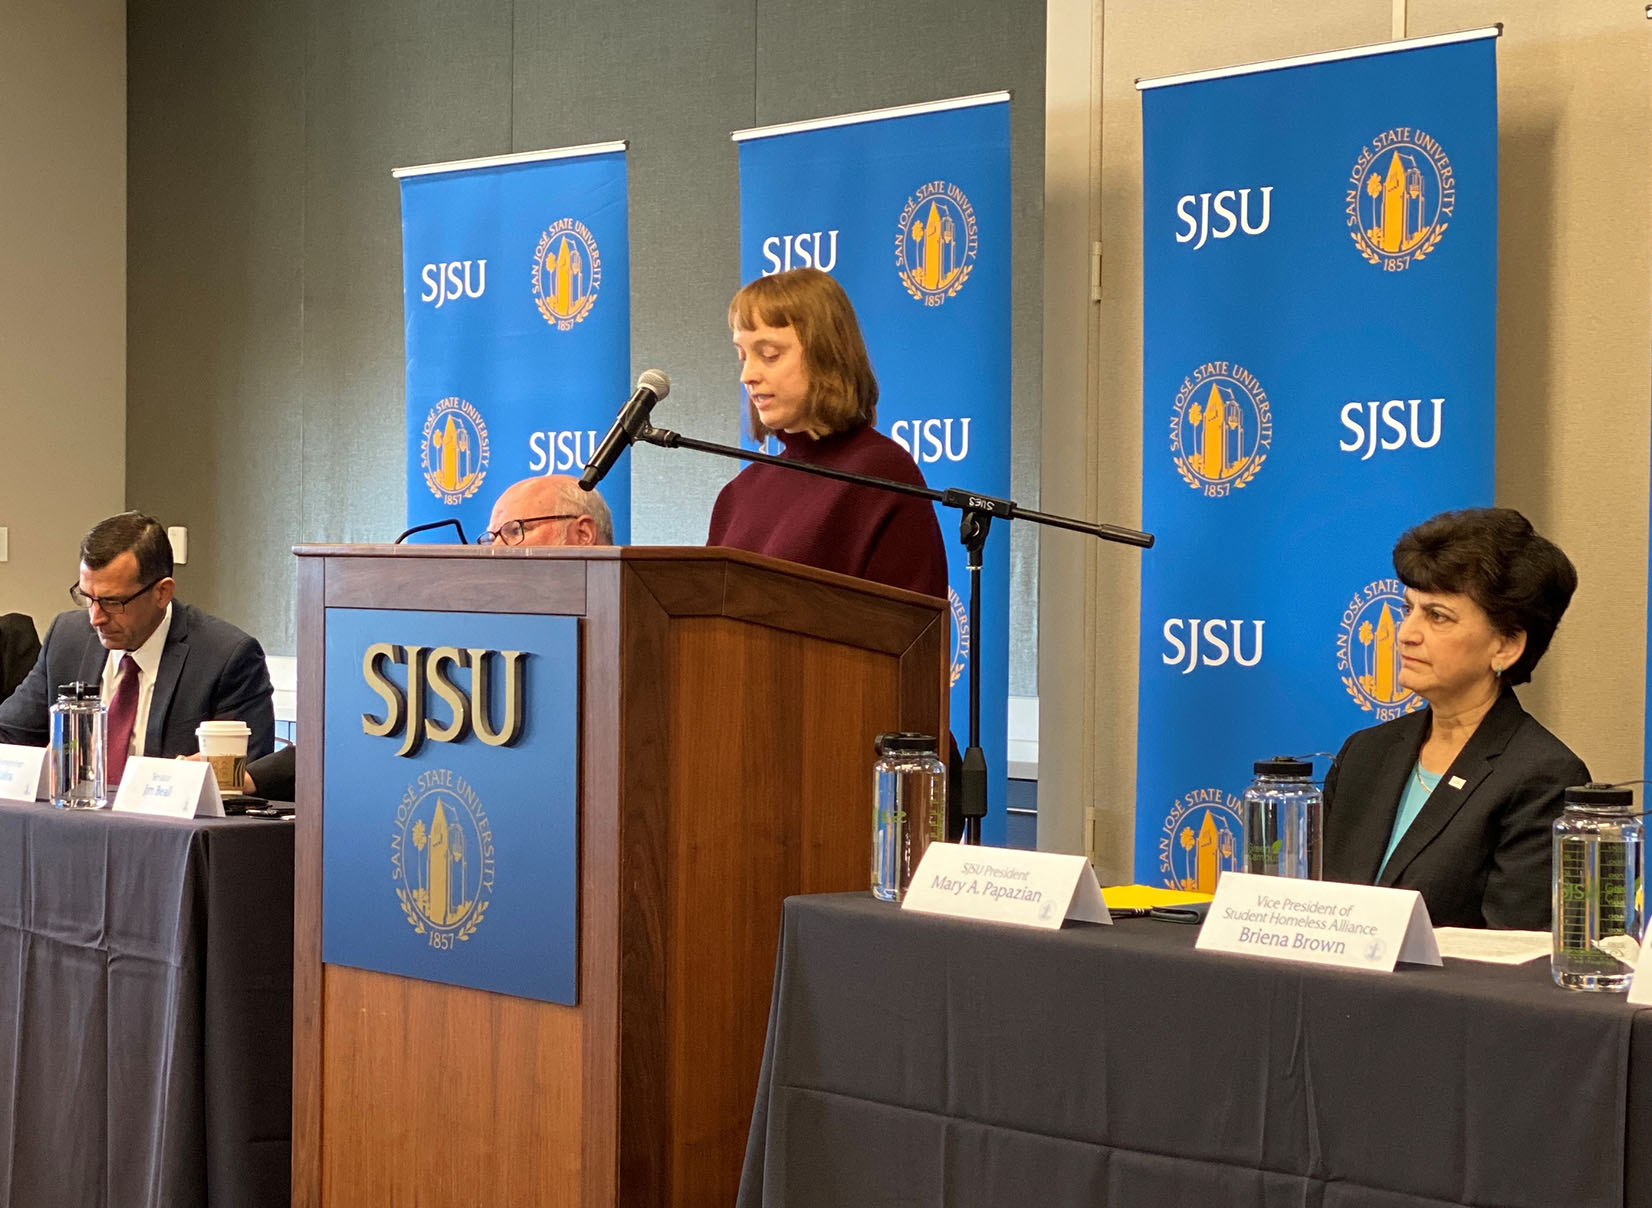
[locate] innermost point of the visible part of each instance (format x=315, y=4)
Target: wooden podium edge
x=307, y=1054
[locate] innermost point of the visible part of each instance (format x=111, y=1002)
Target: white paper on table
x=1495, y=947
x=1625, y=949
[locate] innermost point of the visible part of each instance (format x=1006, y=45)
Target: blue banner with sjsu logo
x=516, y=287
x=1320, y=280
x=450, y=829
x=910, y=210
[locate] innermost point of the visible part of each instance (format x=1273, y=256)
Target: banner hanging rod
x=1329, y=56
x=504, y=161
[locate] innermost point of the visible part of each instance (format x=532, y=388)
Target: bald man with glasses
x=545, y=510
x=164, y=666
x=549, y=510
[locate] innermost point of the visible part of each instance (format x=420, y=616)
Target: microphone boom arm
x=978, y=512
x=952, y=497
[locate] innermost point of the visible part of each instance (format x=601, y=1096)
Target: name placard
x=170, y=788
x=1004, y=885
x=1319, y=922
x=22, y=773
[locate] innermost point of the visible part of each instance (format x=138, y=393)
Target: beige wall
x=63, y=306
x=1574, y=330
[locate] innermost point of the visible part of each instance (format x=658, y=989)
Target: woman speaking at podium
x=809, y=383
x=1457, y=800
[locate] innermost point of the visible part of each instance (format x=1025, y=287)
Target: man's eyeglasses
x=109, y=604
x=511, y=532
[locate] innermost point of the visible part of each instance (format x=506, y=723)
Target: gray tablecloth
x=923, y=1062
x=145, y=1010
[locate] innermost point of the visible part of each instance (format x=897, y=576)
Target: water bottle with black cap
x=78, y=748
x=1598, y=907
x=1284, y=818
x=908, y=809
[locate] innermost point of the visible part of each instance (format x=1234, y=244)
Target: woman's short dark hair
x=843, y=393
x=1493, y=556
x=142, y=535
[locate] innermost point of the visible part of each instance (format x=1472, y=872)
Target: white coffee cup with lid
x=224, y=745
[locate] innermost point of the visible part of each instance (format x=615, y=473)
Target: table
x=913, y=1060
x=145, y=1009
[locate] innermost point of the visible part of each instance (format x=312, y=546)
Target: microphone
x=652, y=386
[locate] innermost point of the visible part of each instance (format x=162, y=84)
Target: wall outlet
x=5, y=543
x=179, y=536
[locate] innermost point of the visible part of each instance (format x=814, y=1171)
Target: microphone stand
x=977, y=515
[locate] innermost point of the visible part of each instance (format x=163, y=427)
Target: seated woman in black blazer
x=1456, y=801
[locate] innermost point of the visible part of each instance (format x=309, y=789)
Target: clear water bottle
x=1284, y=816
x=1598, y=911
x=79, y=729
x=908, y=809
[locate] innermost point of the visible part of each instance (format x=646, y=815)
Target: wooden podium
x=728, y=707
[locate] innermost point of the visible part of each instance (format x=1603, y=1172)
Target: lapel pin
x=1456, y=782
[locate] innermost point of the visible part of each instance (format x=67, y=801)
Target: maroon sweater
x=860, y=531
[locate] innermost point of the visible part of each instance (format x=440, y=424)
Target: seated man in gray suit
x=164, y=665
